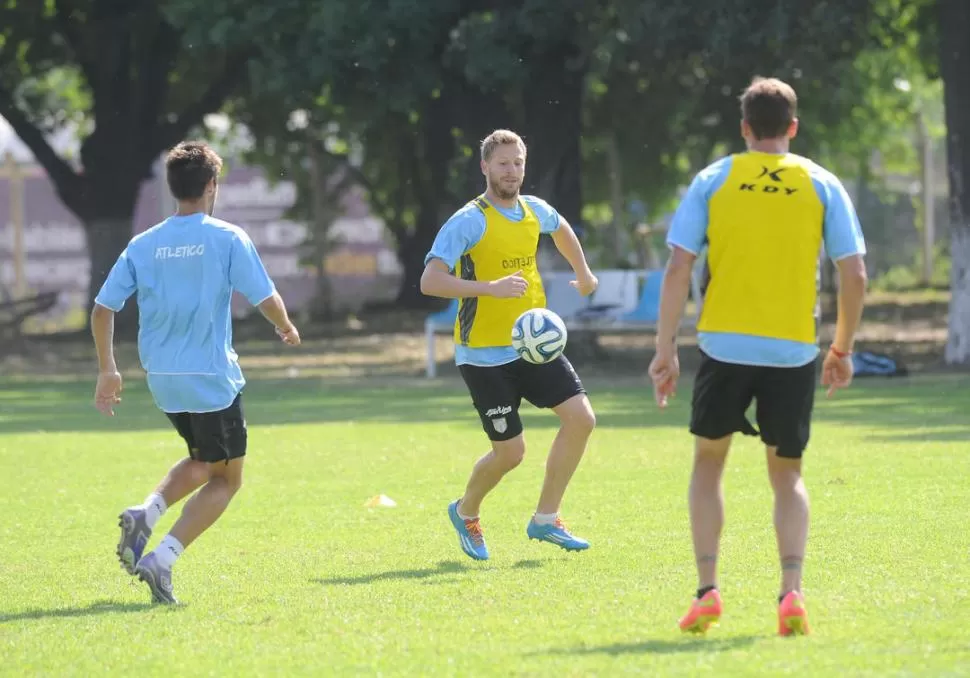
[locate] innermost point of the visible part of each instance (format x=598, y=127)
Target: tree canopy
x=619, y=102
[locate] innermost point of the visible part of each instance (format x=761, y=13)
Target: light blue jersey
x=463, y=231
x=841, y=235
x=184, y=271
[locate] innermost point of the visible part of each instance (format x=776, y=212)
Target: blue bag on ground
x=868, y=364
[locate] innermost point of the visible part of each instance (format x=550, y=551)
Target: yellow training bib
x=764, y=239
x=507, y=246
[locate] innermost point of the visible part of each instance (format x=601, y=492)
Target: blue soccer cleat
x=134, y=537
x=158, y=578
x=469, y=533
x=556, y=533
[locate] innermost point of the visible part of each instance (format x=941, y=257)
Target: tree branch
x=357, y=176
x=212, y=99
x=65, y=179
x=155, y=64
x=343, y=182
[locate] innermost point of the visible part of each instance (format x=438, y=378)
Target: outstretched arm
x=572, y=251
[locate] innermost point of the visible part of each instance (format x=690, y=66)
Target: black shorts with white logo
x=498, y=391
x=213, y=436
x=784, y=396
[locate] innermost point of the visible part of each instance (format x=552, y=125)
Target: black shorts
x=213, y=436
x=498, y=391
x=785, y=397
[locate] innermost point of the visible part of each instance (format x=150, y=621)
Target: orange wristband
x=838, y=354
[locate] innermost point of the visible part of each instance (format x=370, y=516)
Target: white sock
x=154, y=508
x=462, y=515
x=168, y=551
x=545, y=518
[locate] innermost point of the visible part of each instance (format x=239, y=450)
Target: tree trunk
x=477, y=113
x=107, y=237
x=617, y=227
x=431, y=197
x=958, y=338
x=954, y=17
x=322, y=218
x=553, y=129
x=411, y=252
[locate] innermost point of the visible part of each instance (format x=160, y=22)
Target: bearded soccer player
x=184, y=271
x=764, y=216
x=485, y=255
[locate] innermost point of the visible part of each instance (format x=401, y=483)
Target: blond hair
x=500, y=137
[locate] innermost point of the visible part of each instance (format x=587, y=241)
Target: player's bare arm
x=837, y=366
x=665, y=367
x=673, y=296
x=437, y=281
x=107, y=393
x=572, y=251
x=852, y=293
x=274, y=310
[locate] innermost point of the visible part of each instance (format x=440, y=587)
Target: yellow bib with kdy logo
x=506, y=247
x=764, y=239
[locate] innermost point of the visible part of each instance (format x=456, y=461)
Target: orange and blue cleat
x=470, y=535
x=556, y=533
x=792, y=615
x=704, y=612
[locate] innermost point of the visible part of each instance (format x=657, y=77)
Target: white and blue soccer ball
x=539, y=336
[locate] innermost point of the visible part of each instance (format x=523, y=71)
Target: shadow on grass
x=99, y=607
x=443, y=569
x=659, y=646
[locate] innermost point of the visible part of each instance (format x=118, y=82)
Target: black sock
x=704, y=591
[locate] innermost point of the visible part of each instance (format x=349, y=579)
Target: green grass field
x=300, y=578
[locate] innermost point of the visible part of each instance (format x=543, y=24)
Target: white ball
x=539, y=336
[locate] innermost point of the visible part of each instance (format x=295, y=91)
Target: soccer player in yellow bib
x=764, y=216
x=485, y=255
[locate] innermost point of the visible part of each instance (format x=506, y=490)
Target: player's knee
x=228, y=475
x=198, y=472
x=510, y=453
x=785, y=474
x=579, y=419
x=784, y=481
x=585, y=421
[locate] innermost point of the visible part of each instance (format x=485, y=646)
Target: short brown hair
x=500, y=137
x=769, y=106
x=189, y=167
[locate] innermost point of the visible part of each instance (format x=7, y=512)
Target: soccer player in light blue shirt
x=184, y=271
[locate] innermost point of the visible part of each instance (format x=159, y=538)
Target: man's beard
x=504, y=192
